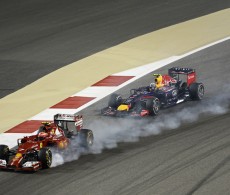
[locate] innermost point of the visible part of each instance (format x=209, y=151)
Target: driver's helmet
x=47, y=126
x=138, y=92
x=42, y=135
x=152, y=86
x=159, y=81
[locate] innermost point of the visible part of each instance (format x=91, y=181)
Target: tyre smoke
x=108, y=132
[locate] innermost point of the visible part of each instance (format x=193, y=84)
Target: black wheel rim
x=156, y=106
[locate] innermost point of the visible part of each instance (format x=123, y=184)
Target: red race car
x=34, y=152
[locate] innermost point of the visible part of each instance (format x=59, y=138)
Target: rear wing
x=177, y=70
x=67, y=117
x=62, y=120
x=189, y=72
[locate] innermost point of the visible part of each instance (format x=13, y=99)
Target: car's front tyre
x=45, y=157
x=115, y=100
x=4, y=152
x=153, y=105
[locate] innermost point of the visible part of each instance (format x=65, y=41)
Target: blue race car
x=148, y=100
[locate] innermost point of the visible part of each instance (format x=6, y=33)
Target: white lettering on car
x=190, y=76
x=174, y=93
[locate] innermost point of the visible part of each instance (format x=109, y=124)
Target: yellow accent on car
x=158, y=81
x=41, y=145
x=61, y=145
x=123, y=107
x=18, y=155
x=46, y=123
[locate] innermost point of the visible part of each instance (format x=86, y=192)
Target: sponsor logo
x=144, y=112
x=173, y=80
x=174, y=93
x=191, y=76
x=65, y=117
x=2, y=162
x=18, y=155
x=80, y=122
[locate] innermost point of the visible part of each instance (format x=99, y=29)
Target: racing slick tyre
x=4, y=152
x=86, y=138
x=153, y=106
x=45, y=157
x=115, y=100
x=196, y=91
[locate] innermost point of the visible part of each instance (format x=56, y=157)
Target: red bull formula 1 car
x=168, y=90
x=34, y=152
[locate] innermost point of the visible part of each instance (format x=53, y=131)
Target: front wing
x=110, y=111
x=28, y=166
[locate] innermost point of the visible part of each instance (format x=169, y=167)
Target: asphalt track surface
x=40, y=36
x=193, y=158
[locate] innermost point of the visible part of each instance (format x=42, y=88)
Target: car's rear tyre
x=45, y=157
x=86, y=138
x=196, y=91
x=4, y=152
x=115, y=100
x=153, y=106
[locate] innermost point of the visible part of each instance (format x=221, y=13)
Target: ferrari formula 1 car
x=148, y=100
x=34, y=152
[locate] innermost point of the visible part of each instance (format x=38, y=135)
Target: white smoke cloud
x=72, y=153
x=108, y=132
